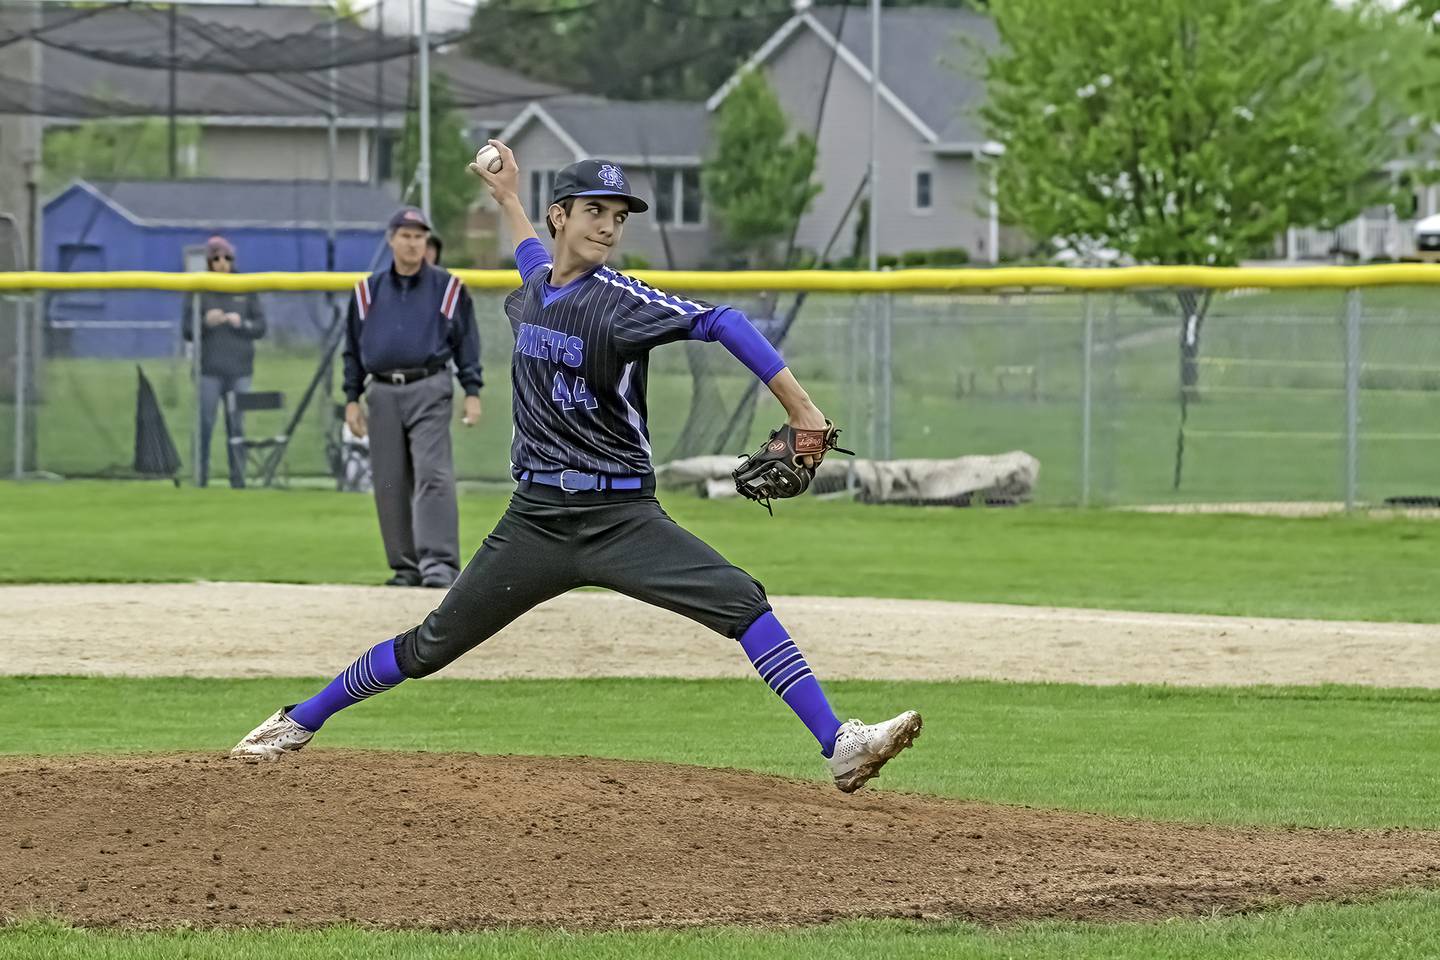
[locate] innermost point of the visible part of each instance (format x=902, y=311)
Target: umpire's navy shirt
x=407, y=323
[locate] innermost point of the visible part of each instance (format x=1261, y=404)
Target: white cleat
x=276, y=736
x=862, y=749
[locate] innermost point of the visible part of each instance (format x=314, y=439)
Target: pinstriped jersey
x=579, y=369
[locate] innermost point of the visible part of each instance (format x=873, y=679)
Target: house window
x=542, y=185
x=664, y=196
x=923, y=198
x=678, y=197
x=690, y=209
x=385, y=156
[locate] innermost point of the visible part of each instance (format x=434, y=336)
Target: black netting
x=108, y=60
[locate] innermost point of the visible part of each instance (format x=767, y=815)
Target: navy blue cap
x=409, y=217
x=596, y=178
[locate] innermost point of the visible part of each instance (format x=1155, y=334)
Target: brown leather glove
x=785, y=464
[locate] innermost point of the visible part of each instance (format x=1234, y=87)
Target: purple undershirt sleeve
x=531, y=256
x=736, y=333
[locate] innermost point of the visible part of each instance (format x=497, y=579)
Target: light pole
x=424, y=108
x=994, y=150
x=874, y=131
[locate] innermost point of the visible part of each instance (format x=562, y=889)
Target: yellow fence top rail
x=833, y=281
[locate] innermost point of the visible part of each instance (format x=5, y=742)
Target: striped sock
x=375, y=672
x=781, y=665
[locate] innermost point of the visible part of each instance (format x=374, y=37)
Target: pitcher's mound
x=466, y=841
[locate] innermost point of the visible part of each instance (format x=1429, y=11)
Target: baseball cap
x=409, y=217
x=217, y=245
x=596, y=178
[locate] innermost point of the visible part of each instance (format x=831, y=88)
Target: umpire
x=407, y=325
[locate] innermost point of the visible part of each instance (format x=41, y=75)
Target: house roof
x=927, y=71
x=638, y=132
x=216, y=204
x=113, y=62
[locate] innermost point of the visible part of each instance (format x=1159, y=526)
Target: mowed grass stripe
x=1331, y=568
x=1388, y=928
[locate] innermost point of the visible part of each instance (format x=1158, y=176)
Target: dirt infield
x=250, y=630
x=464, y=841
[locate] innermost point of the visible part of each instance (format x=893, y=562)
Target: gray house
x=660, y=146
x=246, y=76
x=933, y=187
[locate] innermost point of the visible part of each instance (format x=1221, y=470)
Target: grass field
x=1328, y=568
x=1401, y=926
x=1269, y=425
x=1333, y=756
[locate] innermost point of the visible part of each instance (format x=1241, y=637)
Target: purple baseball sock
x=781, y=664
x=375, y=672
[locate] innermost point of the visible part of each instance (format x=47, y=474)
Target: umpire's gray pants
x=413, y=468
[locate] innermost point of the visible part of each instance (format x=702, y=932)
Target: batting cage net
x=1052, y=386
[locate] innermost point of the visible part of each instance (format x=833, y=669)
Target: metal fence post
x=852, y=392
x=22, y=365
x=195, y=350
x=887, y=379
x=1352, y=394
x=1085, y=400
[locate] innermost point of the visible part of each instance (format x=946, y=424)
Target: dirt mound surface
x=467, y=841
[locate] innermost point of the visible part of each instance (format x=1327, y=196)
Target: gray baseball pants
x=413, y=468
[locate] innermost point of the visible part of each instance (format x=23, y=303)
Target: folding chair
x=260, y=455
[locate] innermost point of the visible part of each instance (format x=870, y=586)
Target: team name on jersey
x=542, y=343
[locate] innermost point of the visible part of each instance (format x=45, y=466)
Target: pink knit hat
x=217, y=245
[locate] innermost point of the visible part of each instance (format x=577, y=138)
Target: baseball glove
x=785, y=464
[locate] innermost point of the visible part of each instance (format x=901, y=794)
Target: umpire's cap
x=596, y=178
x=410, y=217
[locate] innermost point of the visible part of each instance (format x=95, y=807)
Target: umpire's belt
x=402, y=377
x=576, y=481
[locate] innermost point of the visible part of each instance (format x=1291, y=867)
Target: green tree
x=626, y=49
x=453, y=189
x=758, y=181
x=1186, y=131
x=117, y=150
x=1189, y=131
x=1419, y=78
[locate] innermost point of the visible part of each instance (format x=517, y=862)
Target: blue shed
x=163, y=225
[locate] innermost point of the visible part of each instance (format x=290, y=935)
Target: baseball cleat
x=277, y=735
x=862, y=749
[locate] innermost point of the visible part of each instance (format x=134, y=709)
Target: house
x=933, y=188
x=659, y=144
x=144, y=225
x=247, y=76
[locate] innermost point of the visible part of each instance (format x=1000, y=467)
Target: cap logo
x=611, y=176
x=411, y=215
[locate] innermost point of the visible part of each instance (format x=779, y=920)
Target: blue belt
x=575, y=481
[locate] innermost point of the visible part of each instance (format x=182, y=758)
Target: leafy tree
x=453, y=189
x=1419, y=78
x=626, y=49
x=117, y=150
x=1185, y=131
x=1189, y=131
x=758, y=181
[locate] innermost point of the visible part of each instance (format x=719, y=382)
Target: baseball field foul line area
x=600, y=780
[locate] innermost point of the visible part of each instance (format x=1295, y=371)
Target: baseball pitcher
x=584, y=511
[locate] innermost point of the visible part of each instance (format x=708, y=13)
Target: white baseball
x=488, y=158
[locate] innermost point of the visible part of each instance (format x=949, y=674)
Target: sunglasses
x=222, y=256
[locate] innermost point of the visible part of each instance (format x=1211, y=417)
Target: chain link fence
x=1128, y=397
